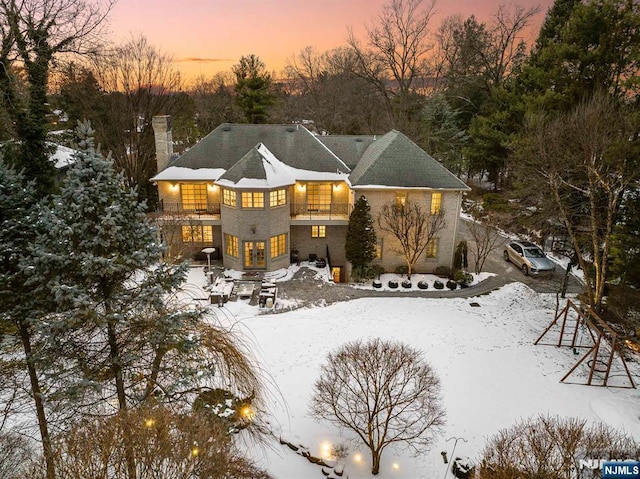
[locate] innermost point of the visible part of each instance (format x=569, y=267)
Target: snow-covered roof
x=179, y=173
x=62, y=156
x=259, y=168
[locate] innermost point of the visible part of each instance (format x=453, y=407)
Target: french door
x=255, y=254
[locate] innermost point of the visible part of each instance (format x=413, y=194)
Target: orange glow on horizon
x=208, y=37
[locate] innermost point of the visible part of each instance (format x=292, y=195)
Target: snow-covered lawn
x=491, y=373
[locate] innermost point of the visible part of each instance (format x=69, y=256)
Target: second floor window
x=318, y=231
x=199, y=234
x=401, y=199
x=436, y=203
x=277, y=198
x=228, y=197
x=319, y=196
x=253, y=199
x=194, y=196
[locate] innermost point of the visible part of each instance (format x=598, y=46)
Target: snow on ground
x=491, y=373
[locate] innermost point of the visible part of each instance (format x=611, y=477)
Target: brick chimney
x=164, y=140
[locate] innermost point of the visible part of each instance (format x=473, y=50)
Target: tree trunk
x=116, y=369
x=25, y=336
x=375, y=459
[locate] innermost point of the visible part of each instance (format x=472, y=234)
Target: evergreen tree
x=360, y=245
x=18, y=213
x=96, y=266
x=253, y=84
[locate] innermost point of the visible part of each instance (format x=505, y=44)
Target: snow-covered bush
x=423, y=285
x=462, y=468
x=393, y=284
x=438, y=284
x=452, y=285
x=406, y=284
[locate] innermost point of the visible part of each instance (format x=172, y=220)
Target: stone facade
x=202, y=203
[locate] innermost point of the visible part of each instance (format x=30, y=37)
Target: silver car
x=529, y=258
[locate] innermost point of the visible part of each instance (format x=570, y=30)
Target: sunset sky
x=205, y=36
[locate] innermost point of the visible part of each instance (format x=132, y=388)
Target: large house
x=262, y=195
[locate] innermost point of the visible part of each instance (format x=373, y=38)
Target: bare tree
x=551, y=447
x=384, y=391
x=586, y=160
x=412, y=227
x=140, y=81
x=396, y=49
x=325, y=88
x=33, y=34
x=486, y=239
x=167, y=444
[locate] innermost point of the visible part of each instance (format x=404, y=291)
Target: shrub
x=393, y=284
x=376, y=283
x=443, y=271
x=402, y=269
x=462, y=468
x=423, y=285
x=548, y=446
x=438, y=284
x=406, y=284
x=375, y=270
x=452, y=285
x=494, y=202
x=463, y=278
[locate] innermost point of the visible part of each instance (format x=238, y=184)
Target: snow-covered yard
x=491, y=373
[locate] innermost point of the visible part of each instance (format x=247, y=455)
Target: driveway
x=305, y=290
x=509, y=272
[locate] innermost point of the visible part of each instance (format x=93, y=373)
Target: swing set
x=602, y=348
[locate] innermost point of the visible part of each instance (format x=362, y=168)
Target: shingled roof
x=349, y=148
x=294, y=145
x=258, y=169
x=394, y=160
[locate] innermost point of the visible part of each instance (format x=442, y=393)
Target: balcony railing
x=334, y=211
x=178, y=209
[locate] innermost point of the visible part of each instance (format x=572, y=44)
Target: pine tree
x=105, y=302
x=252, y=87
x=360, y=245
x=18, y=212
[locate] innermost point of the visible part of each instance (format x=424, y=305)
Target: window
x=319, y=196
x=379, y=249
x=229, y=198
x=318, y=231
x=194, y=196
x=277, y=198
x=436, y=203
x=197, y=234
x=278, y=245
x=401, y=199
x=253, y=199
x=231, y=245
x=432, y=248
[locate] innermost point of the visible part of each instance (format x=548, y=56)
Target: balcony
x=332, y=212
x=168, y=209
